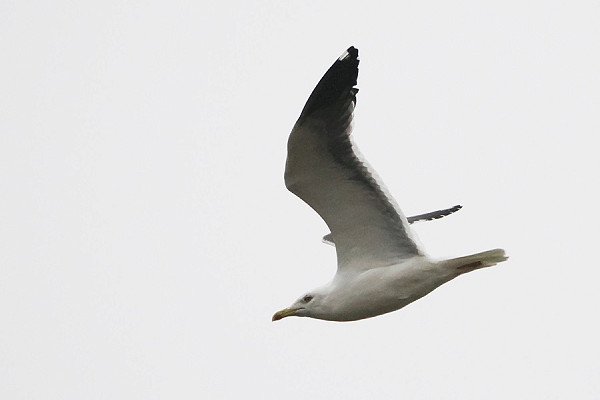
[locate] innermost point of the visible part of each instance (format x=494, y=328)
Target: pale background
x=147, y=237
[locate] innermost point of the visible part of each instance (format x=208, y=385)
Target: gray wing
x=323, y=169
x=430, y=216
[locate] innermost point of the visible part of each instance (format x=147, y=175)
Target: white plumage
x=380, y=266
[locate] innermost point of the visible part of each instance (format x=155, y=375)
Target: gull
x=380, y=267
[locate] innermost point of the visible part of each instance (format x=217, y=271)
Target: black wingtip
x=351, y=53
x=430, y=216
x=339, y=79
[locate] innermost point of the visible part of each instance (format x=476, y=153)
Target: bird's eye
x=307, y=298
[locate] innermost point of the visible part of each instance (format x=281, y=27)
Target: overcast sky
x=147, y=236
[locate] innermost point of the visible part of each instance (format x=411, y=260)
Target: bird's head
x=307, y=305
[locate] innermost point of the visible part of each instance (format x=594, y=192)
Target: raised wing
x=323, y=169
x=430, y=216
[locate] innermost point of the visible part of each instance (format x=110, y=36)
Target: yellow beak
x=286, y=312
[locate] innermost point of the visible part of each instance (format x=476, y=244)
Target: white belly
x=382, y=290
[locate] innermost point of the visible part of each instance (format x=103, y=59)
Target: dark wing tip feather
x=434, y=214
x=339, y=78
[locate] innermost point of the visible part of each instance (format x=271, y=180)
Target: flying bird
x=380, y=267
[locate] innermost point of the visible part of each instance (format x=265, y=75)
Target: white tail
x=476, y=261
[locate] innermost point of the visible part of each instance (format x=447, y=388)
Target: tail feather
x=478, y=260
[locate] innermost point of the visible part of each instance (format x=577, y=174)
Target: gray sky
x=147, y=236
